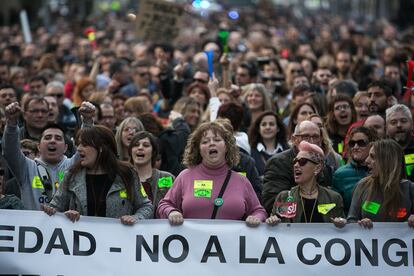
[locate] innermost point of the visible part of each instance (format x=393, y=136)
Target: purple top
x=239, y=199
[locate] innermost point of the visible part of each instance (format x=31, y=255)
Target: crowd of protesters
x=300, y=119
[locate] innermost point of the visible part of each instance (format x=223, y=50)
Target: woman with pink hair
x=307, y=202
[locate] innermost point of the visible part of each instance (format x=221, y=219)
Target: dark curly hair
x=254, y=131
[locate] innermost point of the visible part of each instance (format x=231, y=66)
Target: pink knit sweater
x=239, y=199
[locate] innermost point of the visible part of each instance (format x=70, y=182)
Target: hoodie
x=26, y=171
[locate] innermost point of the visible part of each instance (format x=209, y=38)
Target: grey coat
x=73, y=196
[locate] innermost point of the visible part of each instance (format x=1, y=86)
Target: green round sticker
x=218, y=202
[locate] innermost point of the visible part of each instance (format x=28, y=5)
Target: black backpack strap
x=219, y=201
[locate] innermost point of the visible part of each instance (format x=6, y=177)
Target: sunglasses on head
x=303, y=161
x=360, y=143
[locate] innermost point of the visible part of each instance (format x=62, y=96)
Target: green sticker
x=37, y=183
x=325, y=208
x=340, y=147
x=202, y=193
x=409, y=158
x=165, y=182
x=409, y=169
x=61, y=175
x=371, y=207
x=203, y=188
x=123, y=193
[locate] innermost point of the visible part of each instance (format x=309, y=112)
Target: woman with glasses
x=308, y=202
x=383, y=196
x=341, y=115
x=346, y=177
x=124, y=133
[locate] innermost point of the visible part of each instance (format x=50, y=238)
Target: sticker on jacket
x=371, y=207
x=37, y=183
x=286, y=209
x=165, y=182
x=61, y=175
x=325, y=208
x=401, y=213
x=123, y=193
x=243, y=174
x=203, y=188
x=143, y=193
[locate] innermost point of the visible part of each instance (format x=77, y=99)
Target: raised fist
x=12, y=113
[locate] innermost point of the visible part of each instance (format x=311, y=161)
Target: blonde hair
x=122, y=150
x=192, y=156
x=267, y=102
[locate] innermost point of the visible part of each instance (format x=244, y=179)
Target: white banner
x=32, y=243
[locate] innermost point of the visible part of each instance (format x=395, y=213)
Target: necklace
x=312, y=191
x=304, y=212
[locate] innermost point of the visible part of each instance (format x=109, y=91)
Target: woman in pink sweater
x=201, y=192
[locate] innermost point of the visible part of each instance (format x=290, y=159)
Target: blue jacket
x=344, y=180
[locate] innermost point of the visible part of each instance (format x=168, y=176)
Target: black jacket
x=173, y=142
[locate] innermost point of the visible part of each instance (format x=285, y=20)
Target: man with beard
x=343, y=64
x=380, y=97
x=400, y=128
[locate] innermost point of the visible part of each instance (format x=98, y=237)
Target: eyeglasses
x=309, y=138
x=130, y=129
x=56, y=95
x=342, y=107
x=303, y=161
x=42, y=111
x=360, y=143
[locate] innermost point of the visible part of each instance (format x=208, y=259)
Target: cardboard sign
x=158, y=21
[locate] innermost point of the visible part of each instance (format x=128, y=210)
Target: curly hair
x=192, y=156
